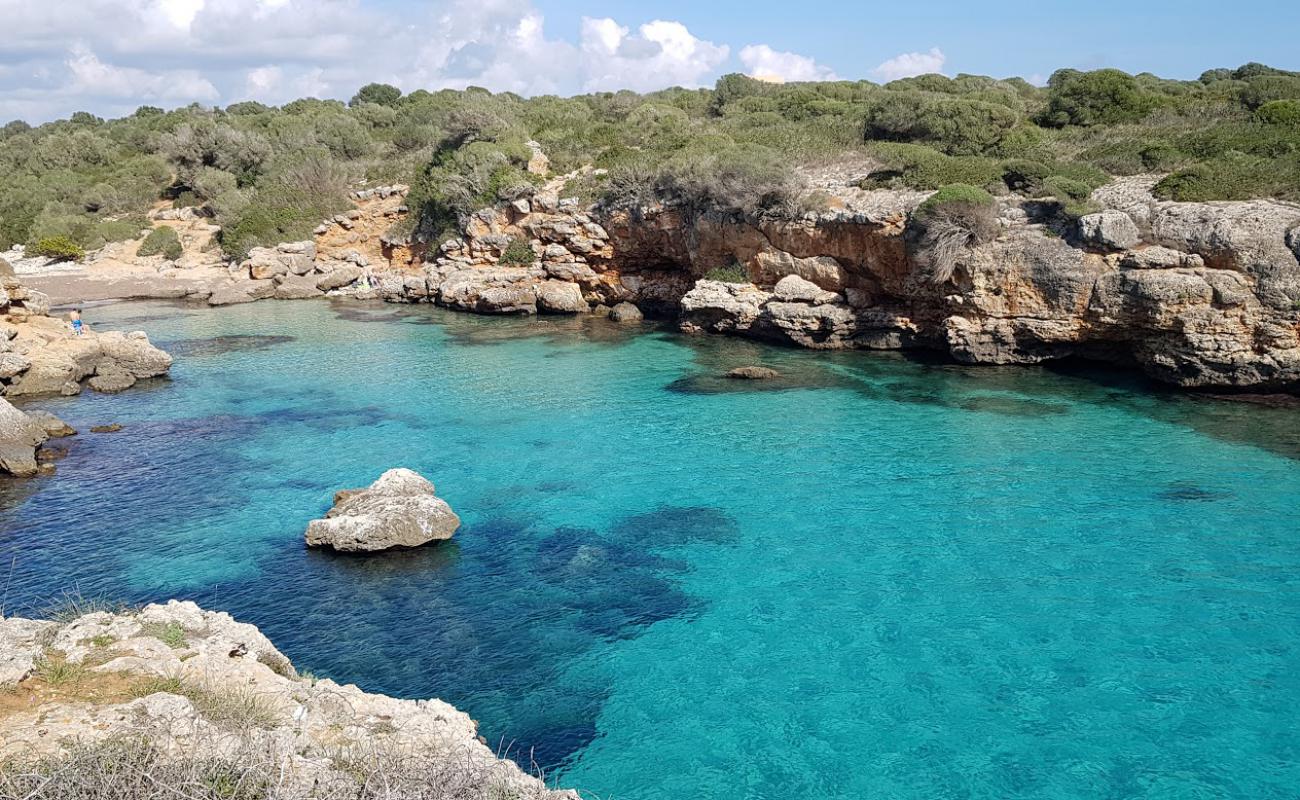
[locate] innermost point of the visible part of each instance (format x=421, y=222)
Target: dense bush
x=1279, y=112
x=1101, y=97
x=162, y=242
x=60, y=248
x=518, y=253
x=268, y=172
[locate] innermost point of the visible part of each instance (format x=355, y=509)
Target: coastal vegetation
x=270, y=174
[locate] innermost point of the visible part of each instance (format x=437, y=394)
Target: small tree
x=162, y=242
x=381, y=94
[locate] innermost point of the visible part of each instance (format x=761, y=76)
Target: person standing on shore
x=75, y=316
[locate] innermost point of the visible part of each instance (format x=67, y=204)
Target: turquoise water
x=871, y=578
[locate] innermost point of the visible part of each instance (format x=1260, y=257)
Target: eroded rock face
x=145, y=671
x=398, y=510
x=20, y=435
x=41, y=355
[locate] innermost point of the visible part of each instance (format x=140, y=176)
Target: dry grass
x=949, y=231
x=132, y=766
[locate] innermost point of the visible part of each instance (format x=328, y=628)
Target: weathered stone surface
x=298, y=287
x=626, y=312
x=823, y=271
x=54, y=427
x=341, y=276
x=793, y=289
x=20, y=435
x=301, y=720
x=1157, y=257
x=20, y=647
x=1109, y=229
x=398, y=510
x=112, y=381
x=558, y=297
x=236, y=292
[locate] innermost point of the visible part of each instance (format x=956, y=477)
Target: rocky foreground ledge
x=173, y=694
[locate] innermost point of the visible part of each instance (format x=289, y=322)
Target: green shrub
x=162, y=241
x=121, y=230
x=1101, y=97
x=732, y=273
x=60, y=248
x=957, y=194
x=919, y=167
x=1279, y=112
x=518, y=253
x=1071, y=194
x=957, y=126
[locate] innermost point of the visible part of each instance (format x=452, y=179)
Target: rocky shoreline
x=195, y=687
x=1196, y=295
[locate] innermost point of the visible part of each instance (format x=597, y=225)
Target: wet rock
x=112, y=381
x=558, y=297
x=626, y=312
x=398, y=510
x=298, y=288
x=54, y=427
x=112, y=427
x=753, y=373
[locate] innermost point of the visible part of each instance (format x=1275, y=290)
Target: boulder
x=753, y=373
x=298, y=287
x=558, y=297
x=13, y=364
x=793, y=289
x=22, y=641
x=133, y=354
x=626, y=312
x=398, y=510
x=241, y=291
x=1110, y=229
x=20, y=435
x=338, y=278
x=824, y=271
x=112, y=381
x=54, y=427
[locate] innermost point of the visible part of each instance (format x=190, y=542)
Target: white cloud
x=108, y=56
x=908, y=65
x=90, y=76
x=658, y=55
x=764, y=63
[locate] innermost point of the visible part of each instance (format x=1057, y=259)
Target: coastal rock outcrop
x=20, y=435
x=175, y=683
x=398, y=510
x=41, y=355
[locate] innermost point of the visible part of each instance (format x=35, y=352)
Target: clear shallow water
x=873, y=578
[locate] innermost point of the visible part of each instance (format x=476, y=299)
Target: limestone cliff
x=174, y=687
x=1195, y=294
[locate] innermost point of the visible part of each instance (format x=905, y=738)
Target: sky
x=111, y=56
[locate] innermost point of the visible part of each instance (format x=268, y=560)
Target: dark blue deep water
x=871, y=578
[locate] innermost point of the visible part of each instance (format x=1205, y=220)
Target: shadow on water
x=221, y=345
x=499, y=613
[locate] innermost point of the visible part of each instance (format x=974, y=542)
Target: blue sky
x=110, y=56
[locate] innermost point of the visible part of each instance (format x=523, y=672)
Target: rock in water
x=398, y=510
x=20, y=435
x=753, y=373
x=625, y=312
